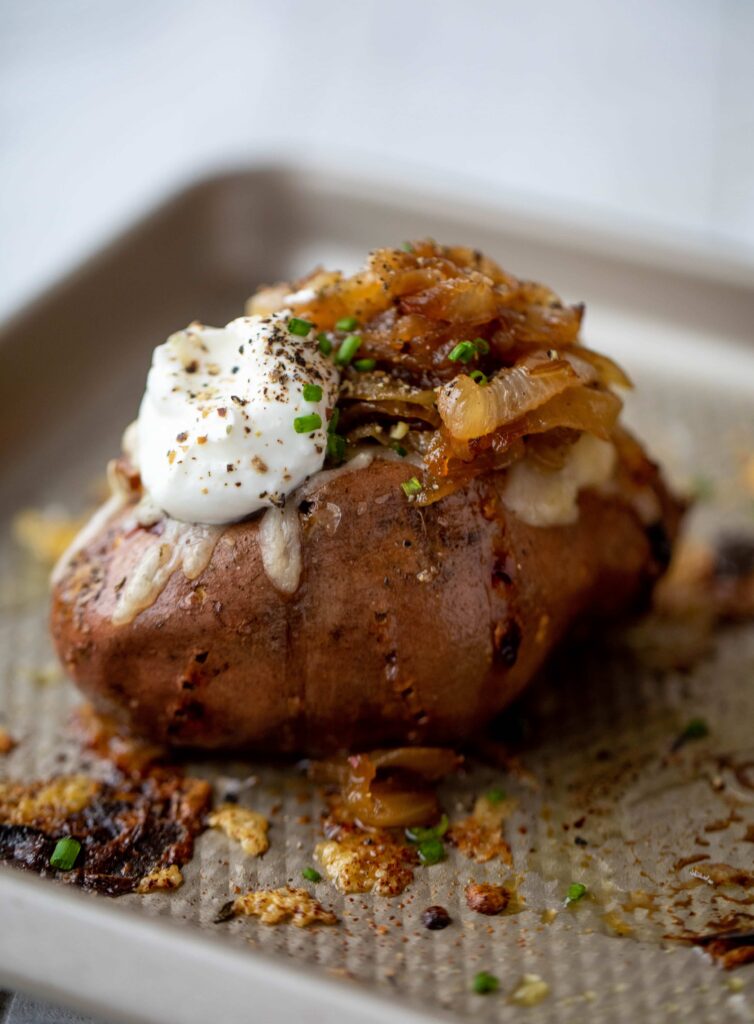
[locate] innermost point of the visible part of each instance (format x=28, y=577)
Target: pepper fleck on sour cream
x=234, y=418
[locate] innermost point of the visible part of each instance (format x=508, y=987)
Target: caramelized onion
x=470, y=410
x=399, y=797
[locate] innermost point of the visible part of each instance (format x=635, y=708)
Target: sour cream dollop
x=224, y=427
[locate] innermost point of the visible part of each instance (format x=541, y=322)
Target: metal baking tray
x=72, y=369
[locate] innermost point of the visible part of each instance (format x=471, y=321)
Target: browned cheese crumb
x=274, y=906
x=479, y=837
x=45, y=805
x=161, y=880
x=359, y=861
x=249, y=828
x=7, y=743
x=486, y=898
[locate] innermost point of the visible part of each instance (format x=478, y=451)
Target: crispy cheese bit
x=7, y=743
x=530, y=990
x=479, y=837
x=367, y=863
x=161, y=880
x=275, y=906
x=45, y=804
x=249, y=828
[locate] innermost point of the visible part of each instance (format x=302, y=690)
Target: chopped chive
x=336, y=447
x=574, y=893
x=347, y=323
x=702, y=488
x=496, y=795
x=478, y=377
x=299, y=327
x=411, y=487
x=311, y=875
x=312, y=392
x=306, y=424
x=484, y=982
x=463, y=352
x=65, y=853
x=331, y=426
x=399, y=449
x=325, y=345
x=407, y=247
x=696, y=729
x=365, y=365
x=420, y=833
x=482, y=346
x=347, y=350
x=431, y=851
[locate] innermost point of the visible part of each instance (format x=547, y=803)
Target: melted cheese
x=550, y=497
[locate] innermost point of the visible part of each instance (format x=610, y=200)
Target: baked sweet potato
x=410, y=624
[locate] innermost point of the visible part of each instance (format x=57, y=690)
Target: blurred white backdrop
x=640, y=111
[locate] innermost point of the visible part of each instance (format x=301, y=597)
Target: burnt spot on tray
x=127, y=829
x=729, y=950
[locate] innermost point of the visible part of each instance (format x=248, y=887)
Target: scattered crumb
x=486, y=898
x=47, y=533
x=548, y=915
x=7, y=743
x=735, y=984
x=358, y=861
x=248, y=827
x=44, y=805
x=479, y=837
x=274, y=906
x=161, y=880
x=530, y=990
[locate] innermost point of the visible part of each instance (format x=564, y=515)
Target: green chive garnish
x=347, y=323
x=347, y=350
x=411, y=487
x=574, y=893
x=325, y=345
x=365, y=365
x=702, y=488
x=398, y=449
x=312, y=392
x=696, y=729
x=311, y=875
x=336, y=447
x=306, y=424
x=332, y=425
x=419, y=833
x=484, y=982
x=496, y=795
x=65, y=853
x=300, y=327
x=463, y=352
x=431, y=851
x=407, y=247
x=478, y=377
x=482, y=346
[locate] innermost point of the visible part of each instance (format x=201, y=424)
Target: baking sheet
x=598, y=726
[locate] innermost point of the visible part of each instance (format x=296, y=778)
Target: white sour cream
x=216, y=437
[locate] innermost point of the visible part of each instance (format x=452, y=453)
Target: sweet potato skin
x=410, y=625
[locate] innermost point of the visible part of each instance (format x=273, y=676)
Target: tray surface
x=599, y=724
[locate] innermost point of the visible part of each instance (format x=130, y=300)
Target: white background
x=639, y=111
